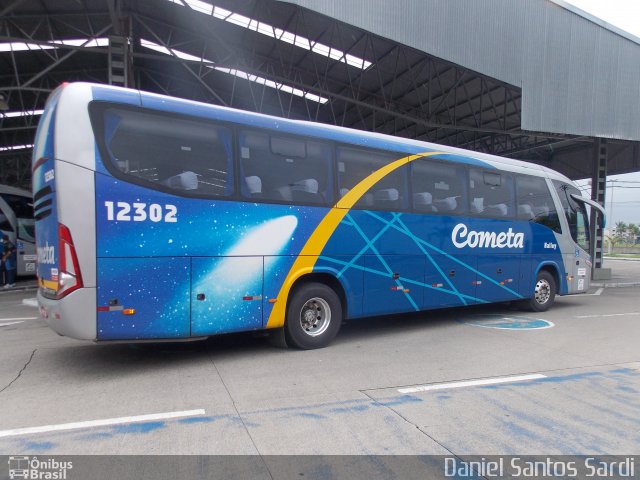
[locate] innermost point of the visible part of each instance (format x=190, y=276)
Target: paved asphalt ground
x=579, y=391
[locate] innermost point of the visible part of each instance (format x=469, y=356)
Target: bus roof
x=307, y=128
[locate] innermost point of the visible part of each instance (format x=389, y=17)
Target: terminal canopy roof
x=530, y=80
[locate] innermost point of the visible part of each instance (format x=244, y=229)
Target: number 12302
x=140, y=212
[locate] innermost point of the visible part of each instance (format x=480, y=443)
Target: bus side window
x=187, y=155
x=534, y=202
x=438, y=187
x=356, y=164
x=287, y=169
x=491, y=193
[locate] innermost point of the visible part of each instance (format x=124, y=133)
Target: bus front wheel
x=314, y=315
x=544, y=293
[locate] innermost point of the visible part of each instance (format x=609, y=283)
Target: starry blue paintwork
x=215, y=268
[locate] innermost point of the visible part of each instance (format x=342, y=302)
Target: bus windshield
x=576, y=213
x=17, y=221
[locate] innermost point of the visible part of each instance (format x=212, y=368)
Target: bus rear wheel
x=314, y=315
x=544, y=293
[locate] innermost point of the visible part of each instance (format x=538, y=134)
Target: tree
x=634, y=231
x=621, y=230
x=612, y=239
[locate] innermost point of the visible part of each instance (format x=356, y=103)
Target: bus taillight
x=69, y=277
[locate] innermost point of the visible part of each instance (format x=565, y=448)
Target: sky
x=624, y=190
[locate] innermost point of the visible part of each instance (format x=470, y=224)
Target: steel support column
x=120, y=67
x=598, y=191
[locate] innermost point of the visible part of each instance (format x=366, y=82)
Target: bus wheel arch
x=315, y=308
x=545, y=289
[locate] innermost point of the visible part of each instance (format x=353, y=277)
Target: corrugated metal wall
x=576, y=76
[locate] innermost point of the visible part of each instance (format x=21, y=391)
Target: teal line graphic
x=433, y=262
x=370, y=245
x=402, y=279
x=346, y=222
x=427, y=244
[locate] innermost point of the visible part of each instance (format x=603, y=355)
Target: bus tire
x=314, y=315
x=544, y=293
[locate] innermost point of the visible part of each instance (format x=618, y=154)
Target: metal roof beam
x=63, y=58
x=10, y=7
x=182, y=62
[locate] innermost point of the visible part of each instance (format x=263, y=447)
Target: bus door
x=226, y=294
x=25, y=243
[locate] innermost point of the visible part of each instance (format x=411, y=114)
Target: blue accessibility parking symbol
x=507, y=322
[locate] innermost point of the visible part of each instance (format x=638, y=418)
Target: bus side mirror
x=599, y=208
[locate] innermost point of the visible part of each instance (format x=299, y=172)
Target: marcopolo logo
x=462, y=237
x=32, y=468
x=46, y=254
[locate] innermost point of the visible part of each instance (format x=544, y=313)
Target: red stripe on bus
x=41, y=161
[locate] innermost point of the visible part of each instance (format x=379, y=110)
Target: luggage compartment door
x=143, y=298
x=226, y=295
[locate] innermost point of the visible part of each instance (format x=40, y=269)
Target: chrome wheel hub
x=315, y=316
x=542, y=292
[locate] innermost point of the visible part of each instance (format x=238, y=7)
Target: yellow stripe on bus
x=308, y=256
x=49, y=284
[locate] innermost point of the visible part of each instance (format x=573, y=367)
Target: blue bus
x=159, y=218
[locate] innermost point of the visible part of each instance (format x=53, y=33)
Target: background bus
x=16, y=221
x=160, y=218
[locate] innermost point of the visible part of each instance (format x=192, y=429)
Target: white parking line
x=17, y=318
x=10, y=323
x=471, y=383
x=608, y=315
x=597, y=292
x=100, y=423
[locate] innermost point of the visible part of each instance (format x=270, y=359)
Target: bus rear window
x=168, y=152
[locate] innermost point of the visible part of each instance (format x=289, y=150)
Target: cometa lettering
x=46, y=255
x=462, y=237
